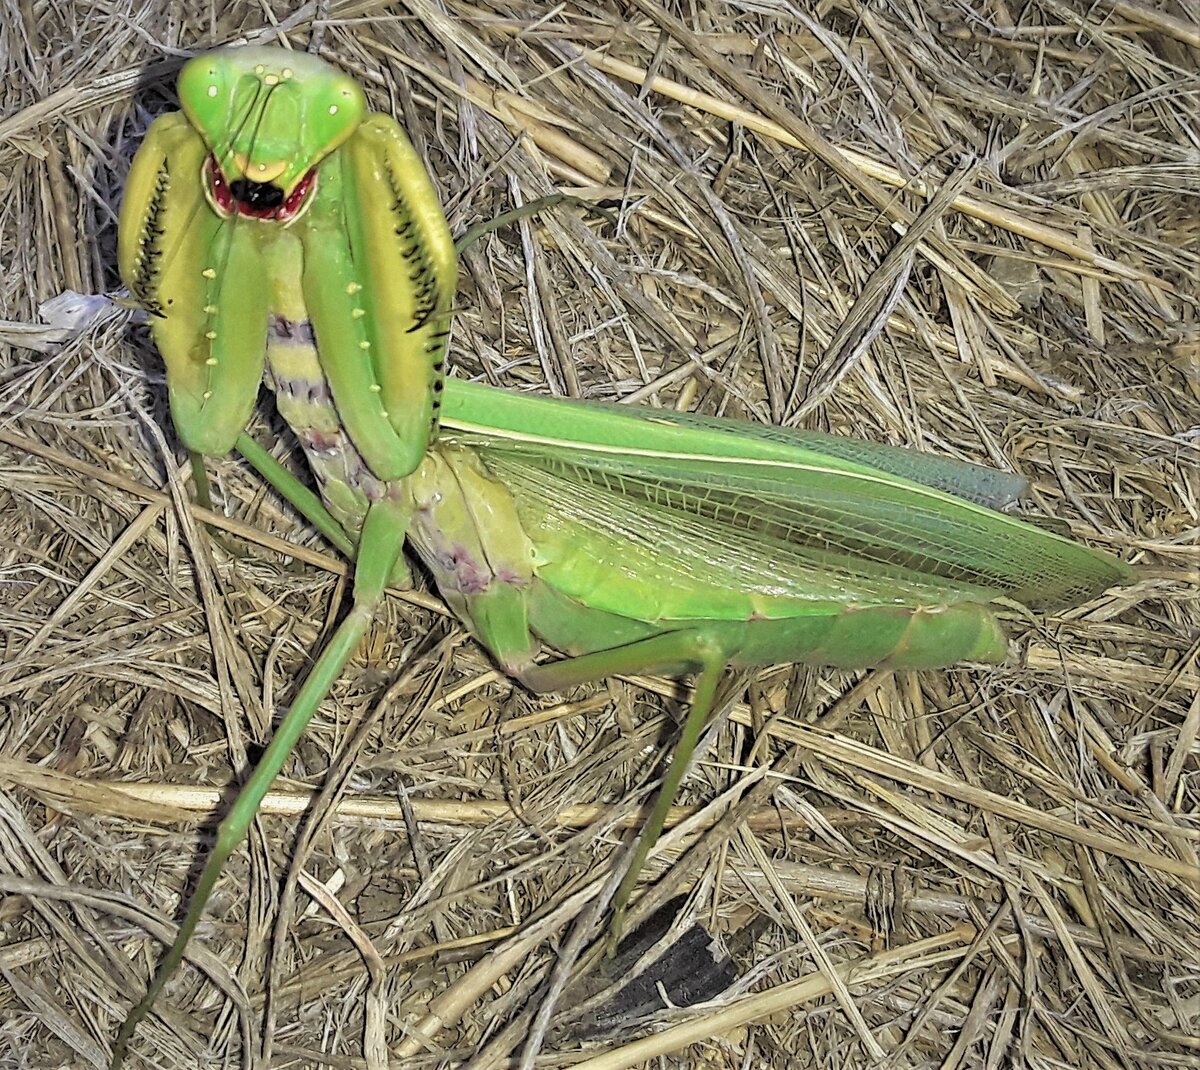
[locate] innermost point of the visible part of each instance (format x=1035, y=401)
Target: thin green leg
x=200, y=480
x=669, y=651
x=703, y=694
x=306, y=502
x=382, y=540
x=472, y=234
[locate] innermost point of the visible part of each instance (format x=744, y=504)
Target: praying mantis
x=277, y=231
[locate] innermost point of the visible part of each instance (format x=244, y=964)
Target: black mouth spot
x=260, y=200
x=256, y=197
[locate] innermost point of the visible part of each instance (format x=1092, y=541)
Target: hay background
x=937, y=877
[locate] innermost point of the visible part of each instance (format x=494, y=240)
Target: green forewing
x=791, y=524
x=638, y=427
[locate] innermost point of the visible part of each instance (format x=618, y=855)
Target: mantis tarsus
x=276, y=228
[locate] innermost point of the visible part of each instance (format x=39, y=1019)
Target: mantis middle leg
x=379, y=549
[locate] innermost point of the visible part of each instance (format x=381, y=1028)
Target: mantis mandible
x=277, y=231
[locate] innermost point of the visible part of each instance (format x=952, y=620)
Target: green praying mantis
x=277, y=231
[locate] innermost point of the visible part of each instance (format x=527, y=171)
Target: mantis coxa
x=277, y=231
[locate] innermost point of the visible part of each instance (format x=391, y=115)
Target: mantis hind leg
x=468, y=532
x=684, y=650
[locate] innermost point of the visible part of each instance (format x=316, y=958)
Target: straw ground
x=962, y=230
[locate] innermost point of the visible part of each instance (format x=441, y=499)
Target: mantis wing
x=767, y=514
x=472, y=406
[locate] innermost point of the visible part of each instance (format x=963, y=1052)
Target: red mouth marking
x=261, y=200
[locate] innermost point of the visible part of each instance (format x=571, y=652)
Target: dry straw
x=969, y=869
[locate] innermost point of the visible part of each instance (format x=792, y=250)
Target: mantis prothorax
x=275, y=229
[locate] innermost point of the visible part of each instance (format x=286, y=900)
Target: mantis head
x=267, y=140
x=268, y=118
